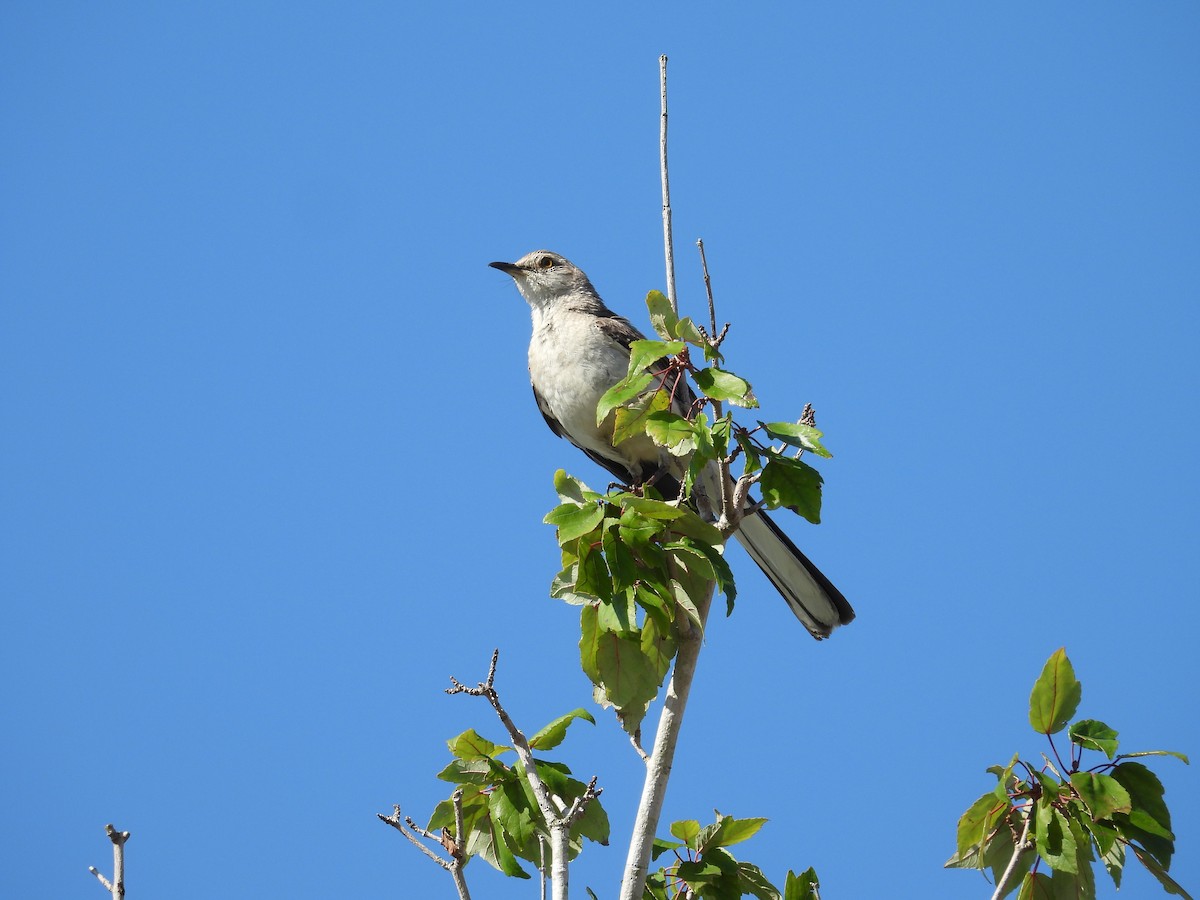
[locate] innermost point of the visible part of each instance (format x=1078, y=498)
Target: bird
x=578, y=349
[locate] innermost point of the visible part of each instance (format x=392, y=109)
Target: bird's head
x=543, y=277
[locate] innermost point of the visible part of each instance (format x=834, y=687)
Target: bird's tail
x=816, y=602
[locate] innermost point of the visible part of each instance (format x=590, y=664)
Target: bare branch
x=668, y=241
x=116, y=887
x=396, y=822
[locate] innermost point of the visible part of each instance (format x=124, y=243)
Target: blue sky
x=273, y=471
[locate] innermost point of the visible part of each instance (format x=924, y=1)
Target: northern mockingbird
x=579, y=349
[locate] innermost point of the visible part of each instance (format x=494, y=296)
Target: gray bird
x=578, y=350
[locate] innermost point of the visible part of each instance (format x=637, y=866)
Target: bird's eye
x=545, y=262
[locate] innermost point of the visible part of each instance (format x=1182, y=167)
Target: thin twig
x=452, y=845
x=559, y=817
x=668, y=242
x=712, y=309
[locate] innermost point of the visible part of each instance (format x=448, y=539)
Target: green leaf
x=1055, y=695
x=977, y=823
x=686, y=330
x=552, y=735
x=469, y=745
x=793, y=484
x=663, y=317
x=1170, y=885
x=573, y=521
x=629, y=676
x=1036, y=886
x=592, y=576
x=797, y=434
x=644, y=353
x=801, y=887
x=471, y=771
x=622, y=392
x=1055, y=842
x=687, y=830
x=631, y=419
x=722, y=385
x=734, y=831
x=1094, y=736
x=512, y=815
x=1173, y=753
x=484, y=841
x=571, y=490
x=1146, y=792
x=1114, y=861
x=672, y=431
x=752, y=458
x=660, y=847
x=751, y=880
x=1103, y=795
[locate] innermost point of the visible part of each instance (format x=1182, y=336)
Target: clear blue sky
x=272, y=470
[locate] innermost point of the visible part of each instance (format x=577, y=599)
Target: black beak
x=511, y=268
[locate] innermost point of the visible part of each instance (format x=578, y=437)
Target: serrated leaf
x=573, y=521
x=471, y=745
x=1036, y=886
x=1055, y=842
x=552, y=735
x=643, y=354
x=629, y=676
x=1170, y=885
x=1094, y=736
x=687, y=830
x=725, y=386
x=793, y=484
x=659, y=847
x=734, y=831
x=1055, y=695
x=470, y=771
x=622, y=392
x=1114, y=862
x=1103, y=795
x=1173, y=753
x=801, y=887
x=751, y=880
x=630, y=420
x=686, y=330
x=571, y=490
x=797, y=434
x=672, y=431
x=1146, y=792
x=977, y=823
x=663, y=317
x=511, y=814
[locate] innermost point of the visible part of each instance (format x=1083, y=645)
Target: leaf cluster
x=636, y=564
x=501, y=818
x=1063, y=816
x=703, y=867
x=654, y=399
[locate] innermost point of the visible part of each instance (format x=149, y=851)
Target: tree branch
x=454, y=846
x=668, y=241
x=658, y=770
x=116, y=887
x=559, y=818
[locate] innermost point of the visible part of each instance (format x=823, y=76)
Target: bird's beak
x=511, y=268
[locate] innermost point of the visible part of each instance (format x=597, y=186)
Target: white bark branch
x=116, y=887
x=658, y=770
x=668, y=241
